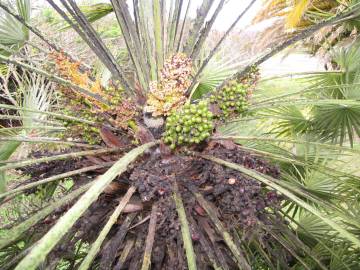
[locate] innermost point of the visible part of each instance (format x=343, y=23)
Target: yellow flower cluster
x=71, y=71
x=169, y=93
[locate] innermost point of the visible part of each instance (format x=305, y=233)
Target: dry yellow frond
x=297, y=12
x=271, y=9
x=293, y=11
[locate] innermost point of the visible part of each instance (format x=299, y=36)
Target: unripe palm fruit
x=191, y=124
x=232, y=99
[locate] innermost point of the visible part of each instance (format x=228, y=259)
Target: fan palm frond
x=33, y=94
x=337, y=123
x=343, y=121
x=93, y=13
x=13, y=34
x=218, y=69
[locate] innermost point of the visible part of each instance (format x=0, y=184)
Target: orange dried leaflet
x=169, y=93
x=71, y=71
x=120, y=112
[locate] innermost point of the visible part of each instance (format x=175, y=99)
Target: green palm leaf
x=33, y=94
x=218, y=69
x=6, y=150
x=93, y=13
x=337, y=123
x=12, y=33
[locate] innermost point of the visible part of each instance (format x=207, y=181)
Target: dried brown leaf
x=143, y=134
x=110, y=139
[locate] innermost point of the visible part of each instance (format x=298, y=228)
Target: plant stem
x=201, y=15
x=185, y=230
x=14, y=233
x=263, y=139
x=46, y=140
x=181, y=35
x=158, y=33
x=216, y=48
x=241, y=261
x=54, y=178
x=20, y=118
x=89, y=35
x=303, y=101
x=303, y=91
x=132, y=40
x=150, y=238
x=95, y=247
x=56, y=115
x=205, y=32
x=18, y=164
x=302, y=74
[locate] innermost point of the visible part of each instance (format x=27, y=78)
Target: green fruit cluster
x=231, y=99
x=78, y=108
x=191, y=124
x=115, y=95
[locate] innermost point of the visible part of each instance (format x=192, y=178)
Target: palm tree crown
x=166, y=155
